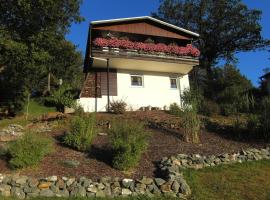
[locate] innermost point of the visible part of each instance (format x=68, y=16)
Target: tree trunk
x=49, y=82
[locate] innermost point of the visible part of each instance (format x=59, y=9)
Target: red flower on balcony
x=189, y=50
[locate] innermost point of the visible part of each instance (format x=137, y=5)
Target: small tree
x=82, y=132
x=190, y=119
x=62, y=97
x=129, y=141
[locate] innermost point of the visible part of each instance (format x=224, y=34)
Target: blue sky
x=250, y=64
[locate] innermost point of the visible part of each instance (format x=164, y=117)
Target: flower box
x=146, y=48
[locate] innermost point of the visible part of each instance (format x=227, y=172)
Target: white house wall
x=156, y=91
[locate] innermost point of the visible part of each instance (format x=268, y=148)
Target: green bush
x=82, y=132
x=29, y=150
x=129, y=141
x=191, y=125
x=3, y=151
x=62, y=97
x=118, y=107
x=175, y=109
x=228, y=109
x=253, y=123
x=209, y=108
x=246, y=103
x=78, y=110
x=265, y=118
x=190, y=120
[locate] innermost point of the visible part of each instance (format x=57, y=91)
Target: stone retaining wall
x=175, y=164
x=174, y=183
x=23, y=187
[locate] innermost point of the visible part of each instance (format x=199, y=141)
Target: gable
x=145, y=28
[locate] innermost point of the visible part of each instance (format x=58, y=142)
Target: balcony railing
x=119, y=47
x=132, y=53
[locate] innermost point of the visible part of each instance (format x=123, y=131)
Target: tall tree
x=32, y=42
x=225, y=27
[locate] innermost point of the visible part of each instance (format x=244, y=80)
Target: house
x=142, y=61
x=266, y=82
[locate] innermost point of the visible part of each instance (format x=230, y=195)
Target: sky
x=251, y=64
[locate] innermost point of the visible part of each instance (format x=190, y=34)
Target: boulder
x=175, y=186
x=127, y=182
x=100, y=193
x=78, y=192
x=159, y=181
x=146, y=181
x=126, y=192
x=46, y=193
x=44, y=185
x=33, y=182
x=166, y=187
x=92, y=188
x=5, y=190
x=52, y=178
x=17, y=193
x=70, y=181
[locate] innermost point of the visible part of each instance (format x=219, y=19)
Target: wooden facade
x=144, y=28
x=95, y=84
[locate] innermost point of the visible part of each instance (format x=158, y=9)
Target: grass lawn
x=35, y=109
x=247, y=181
x=115, y=198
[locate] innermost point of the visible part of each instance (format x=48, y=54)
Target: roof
x=145, y=18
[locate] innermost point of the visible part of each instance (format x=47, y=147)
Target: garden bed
x=97, y=163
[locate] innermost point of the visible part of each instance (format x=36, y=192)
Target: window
x=173, y=83
x=136, y=80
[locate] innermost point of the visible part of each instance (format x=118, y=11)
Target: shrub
x=191, y=125
x=82, y=132
x=129, y=140
x=118, y=107
x=79, y=111
x=190, y=119
x=228, y=109
x=193, y=96
x=209, y=108
x=62, y=97
x=246, y=103
x=175, y=109
x=29, y=150
x=238, y=127
x=253, y=124
x=3, y=151
x=265, y=118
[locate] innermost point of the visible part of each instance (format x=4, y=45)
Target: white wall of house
x=156, y=91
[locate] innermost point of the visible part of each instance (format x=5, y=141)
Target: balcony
x=127, y=55
x=138, y=50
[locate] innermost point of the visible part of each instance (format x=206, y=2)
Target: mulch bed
x=97, y=163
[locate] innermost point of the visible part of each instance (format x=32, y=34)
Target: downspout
x=96, y=92
x=108, y=85
x=180, y=91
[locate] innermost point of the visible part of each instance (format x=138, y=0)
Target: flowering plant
x=188, y=50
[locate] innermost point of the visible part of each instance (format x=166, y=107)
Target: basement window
x=136, y=80
x=173, y=82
